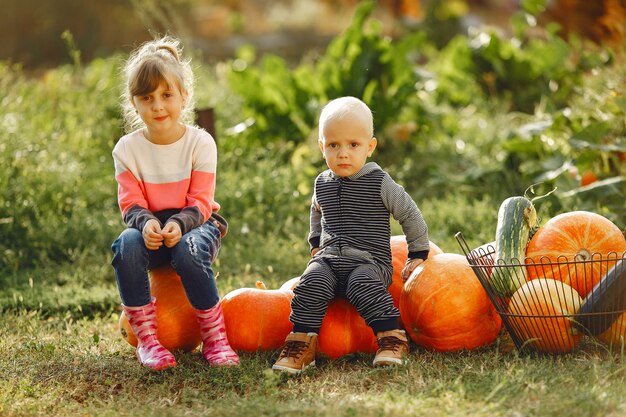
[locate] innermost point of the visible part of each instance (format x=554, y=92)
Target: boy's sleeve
x=405, y=211
x=316, y=224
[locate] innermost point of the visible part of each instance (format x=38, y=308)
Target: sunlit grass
x=64, y=367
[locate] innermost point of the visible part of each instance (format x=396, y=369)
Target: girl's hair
x=150, y=65
x=346, y=106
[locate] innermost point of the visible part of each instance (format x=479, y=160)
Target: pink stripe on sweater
x=198, y=191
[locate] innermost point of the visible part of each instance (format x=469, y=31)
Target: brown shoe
x=393, y=348
x=298, y=353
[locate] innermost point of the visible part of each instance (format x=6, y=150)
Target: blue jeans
x=191, y=258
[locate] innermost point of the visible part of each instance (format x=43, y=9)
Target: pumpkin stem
x=582, y=255
x=260, y=285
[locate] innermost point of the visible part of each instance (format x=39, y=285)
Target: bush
x=57, y=182
x=360, y=62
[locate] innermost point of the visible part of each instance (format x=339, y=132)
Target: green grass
x=64, y=367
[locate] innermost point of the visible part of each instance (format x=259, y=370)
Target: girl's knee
x=195, y=248
x=128, y=245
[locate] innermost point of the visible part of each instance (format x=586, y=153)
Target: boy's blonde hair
x=148, y=66
x=346, y=106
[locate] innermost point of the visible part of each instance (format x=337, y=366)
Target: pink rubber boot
x=150, y=352
x=215, y=346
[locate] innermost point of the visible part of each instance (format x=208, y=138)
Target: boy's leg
x=131, y=260
x=308, y=308
x=311, y=296
x=192, y=258
x=368, y=293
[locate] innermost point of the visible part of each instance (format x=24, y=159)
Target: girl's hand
x=314, y=251
x=171, y=234
x=409, y=267
x=152, y=234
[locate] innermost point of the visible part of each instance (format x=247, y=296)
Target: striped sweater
x=354, y=213
x=166, y=182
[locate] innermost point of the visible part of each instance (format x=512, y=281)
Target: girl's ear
x=185, y=95
x=371, y=146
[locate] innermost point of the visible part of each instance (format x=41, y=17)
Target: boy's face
x=346, y=144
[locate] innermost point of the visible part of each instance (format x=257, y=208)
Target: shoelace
x=293, y=349
x=389, y=343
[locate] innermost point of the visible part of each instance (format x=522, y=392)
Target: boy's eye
x=332, y=145
x=354, y=144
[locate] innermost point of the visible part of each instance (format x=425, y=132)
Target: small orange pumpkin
x=542, y=315
x=177, y=326
x=399, y=255
x=574, y=236
x=445, y=308
x=257, y=319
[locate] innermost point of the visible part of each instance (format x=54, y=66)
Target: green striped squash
x=516, y=218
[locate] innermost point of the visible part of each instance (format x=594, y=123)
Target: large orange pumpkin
x=399, y=255
x=574, y=236
x=444, y=307
x=542, y=315
x=343, y=329
x=177, y=326
x=257, y=318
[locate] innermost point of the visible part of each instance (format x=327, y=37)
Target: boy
x=349, y=238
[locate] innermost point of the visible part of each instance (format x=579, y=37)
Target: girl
x=165, y=170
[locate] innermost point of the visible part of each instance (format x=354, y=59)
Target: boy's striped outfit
x=350, y=224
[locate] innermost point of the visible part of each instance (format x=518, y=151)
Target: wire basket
x=549, y=306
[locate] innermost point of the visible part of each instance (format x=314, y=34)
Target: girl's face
x=346, y=146
x=160, y=110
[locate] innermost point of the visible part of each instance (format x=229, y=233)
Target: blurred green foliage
x=461, y=126
x=56, y=181
x=361, y=62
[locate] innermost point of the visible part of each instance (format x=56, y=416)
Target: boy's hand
x=171, y=234
x=314, y=251
x=409, y=267
x=152, y=234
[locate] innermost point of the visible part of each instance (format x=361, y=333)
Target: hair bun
x=171, y=49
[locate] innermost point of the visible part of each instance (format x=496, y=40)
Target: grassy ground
x=62, y=367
